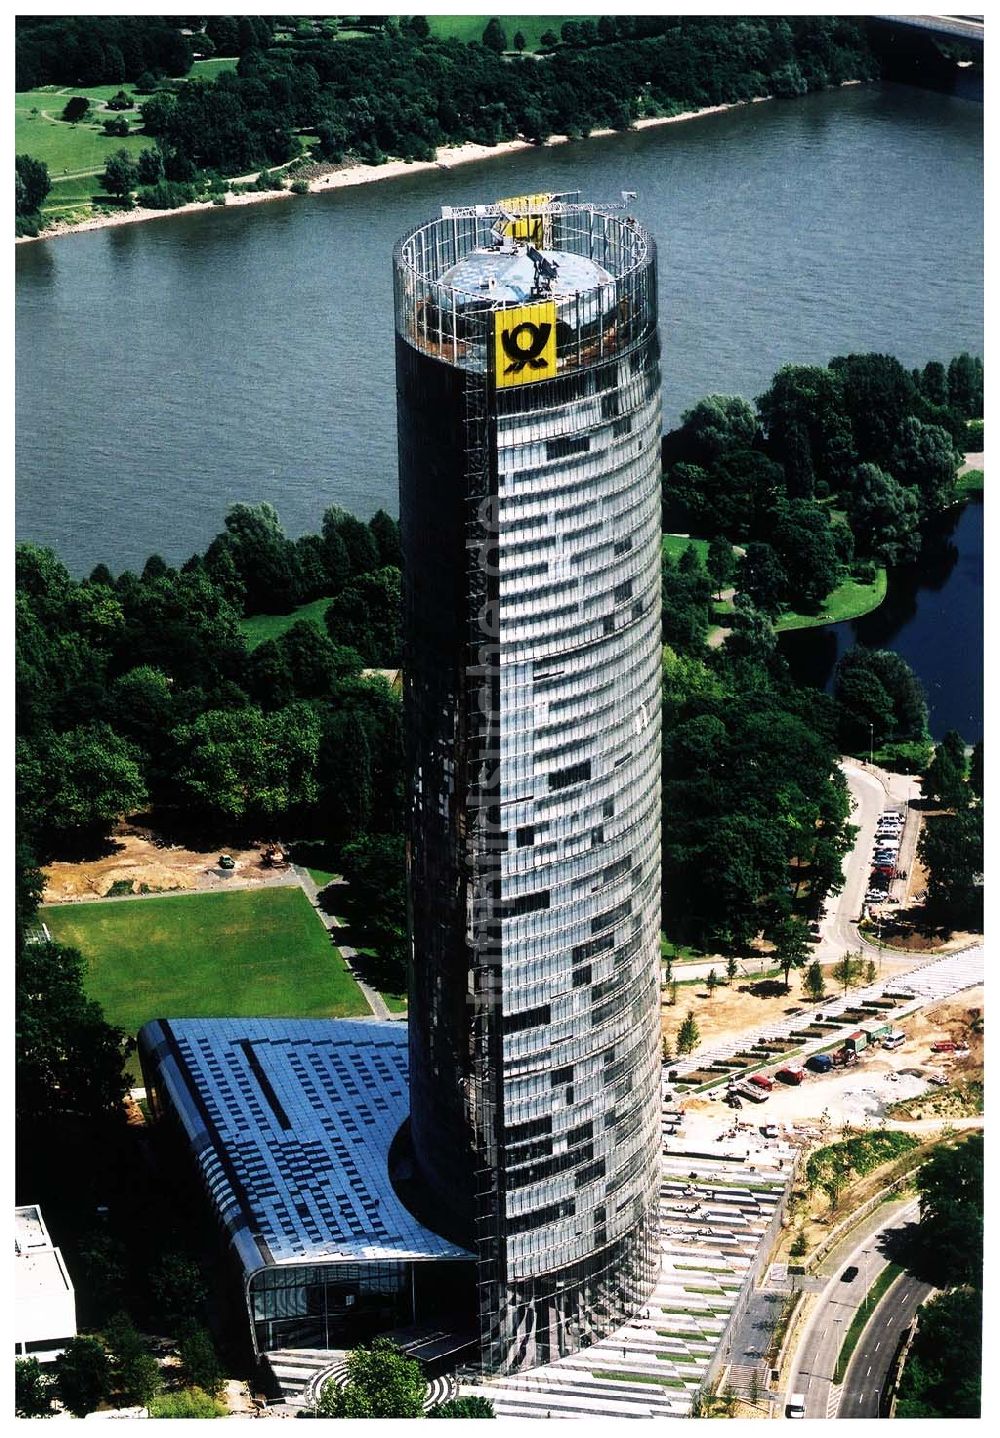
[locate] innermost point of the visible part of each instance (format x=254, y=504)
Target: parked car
x=819, y=1063
x=849, y=1274
x=945, y=1046
x=938, y=1079
x=769, y=1130
x=226, y=861
x=762, y=1081
x=790, y=1075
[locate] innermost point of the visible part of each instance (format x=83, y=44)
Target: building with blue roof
x=291, y=1123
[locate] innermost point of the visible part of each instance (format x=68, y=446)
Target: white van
x=796, y=1406
x=893, y=1040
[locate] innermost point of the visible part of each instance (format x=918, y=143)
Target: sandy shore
x=350, y=175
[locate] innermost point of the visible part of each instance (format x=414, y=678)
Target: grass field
x=971, y=482
x=675, y=545
x=258, y=627
x=848, y=601
x=70, y=150
x=471, y=27
x=210, y=69
x=247, y=953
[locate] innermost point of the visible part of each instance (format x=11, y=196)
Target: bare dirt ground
x=881, y=1086
x=731, y=1008
x=138, y=861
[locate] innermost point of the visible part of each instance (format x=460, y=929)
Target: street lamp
x=871, y=743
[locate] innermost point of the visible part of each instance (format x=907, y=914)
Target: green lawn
x=70, y=150
x=258, y=627
x=210, y=69
x=848, y=601
x=675, y=545
x=247, y=953
x=971, y=482
x=639, y=1378
x=471, y=27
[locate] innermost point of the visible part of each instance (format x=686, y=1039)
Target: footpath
x=374, y=999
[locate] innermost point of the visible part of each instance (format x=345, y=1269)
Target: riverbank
x=350, y=176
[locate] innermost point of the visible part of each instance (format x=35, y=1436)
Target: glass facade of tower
x=529, y=441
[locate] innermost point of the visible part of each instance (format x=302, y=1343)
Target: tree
x=472, y=1407
x=75, y=109
x=871, y=972
x=83, y=1375
x=495, y=37
x=149, y=167
x=943, y=1371
x=549, y=40
x=135, y=1374
x=265, y=559
x=847, y=971
x=366, y=616
x=720, y=563
x=673, y=993
x=814, y=982
x=965, y=386
x=200, y=1361
x=878, y=396
x=716, y=425
x=238, y=763
x=976, y=771
x=31, y=184
x=944, y=779
x=116, y=127
x=732, y=968
x=68, y=1060
x=951, y=848
x=761, y=577
x=120, y=174
x=119, y=101
x=358, y=539
x=926, y=461
x=519, y=41
x=712, y=982
x=178, y=1290
x=32, y=1390
x=95, y=777
x=381, y=1383
x=950, y=1236
x=884, y=515
x=791, y=945
x=385, y=531
x=688, y=1036
x=803, y=541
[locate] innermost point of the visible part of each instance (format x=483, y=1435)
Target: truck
x=876, y=1033
x=790, y=1075
x=762, y=1081
x=855, y=1043
x=751, y=1091
x=820, y=1063
x=843, y=1057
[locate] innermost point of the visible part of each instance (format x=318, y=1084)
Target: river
x=167, y=369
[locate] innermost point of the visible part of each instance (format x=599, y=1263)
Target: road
x=871, y=792
x=869, y=1367
x=816, y=1358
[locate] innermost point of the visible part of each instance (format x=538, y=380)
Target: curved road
x=816, y=1358
x=870, y=1363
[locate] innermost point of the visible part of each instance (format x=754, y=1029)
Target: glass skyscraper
x=528, y=388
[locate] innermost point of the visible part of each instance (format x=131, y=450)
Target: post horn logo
x=525, y=344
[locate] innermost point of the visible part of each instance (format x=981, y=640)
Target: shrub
x=187, y=1403
x=75, y=109
x=974, y=433
x=117, y=126
x=26, y=225
x=300, y=187
x=166, y=195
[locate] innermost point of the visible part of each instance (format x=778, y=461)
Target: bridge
x=945, y=27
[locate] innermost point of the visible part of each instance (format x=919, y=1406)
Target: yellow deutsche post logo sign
x=524, y=341
x=525, y=226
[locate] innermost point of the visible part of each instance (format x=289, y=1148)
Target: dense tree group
x=143, y=688
x=396, y=90
x=834, y=472
x=942, y=1375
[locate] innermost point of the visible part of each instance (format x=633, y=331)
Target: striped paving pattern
x=938, y=979
x=712, y=1217
x=302, y=1374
